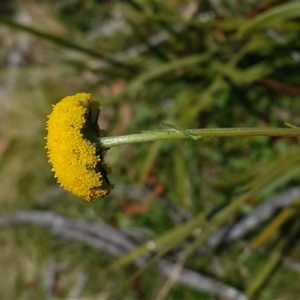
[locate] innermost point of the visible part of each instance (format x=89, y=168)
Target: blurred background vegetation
x=196, y=64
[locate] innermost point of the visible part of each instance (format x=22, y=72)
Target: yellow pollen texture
x=72, y=156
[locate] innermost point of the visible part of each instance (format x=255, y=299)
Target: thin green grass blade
x=164, y=69
x=271, y=264
x=61, y=42
x=277, y=14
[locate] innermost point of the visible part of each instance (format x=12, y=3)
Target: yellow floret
x=75, y=160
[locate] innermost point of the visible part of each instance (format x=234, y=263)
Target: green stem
x=171, y=134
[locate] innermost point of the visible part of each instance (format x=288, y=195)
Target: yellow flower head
x=76, y=158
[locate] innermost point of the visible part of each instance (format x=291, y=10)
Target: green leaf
x=278, y=14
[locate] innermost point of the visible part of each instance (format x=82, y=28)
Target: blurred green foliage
x=194, y=64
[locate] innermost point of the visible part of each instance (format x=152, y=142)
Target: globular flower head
x=73, y=147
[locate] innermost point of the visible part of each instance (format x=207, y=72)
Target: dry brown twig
x=117, y=242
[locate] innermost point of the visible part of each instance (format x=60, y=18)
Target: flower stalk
x=173, y=134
